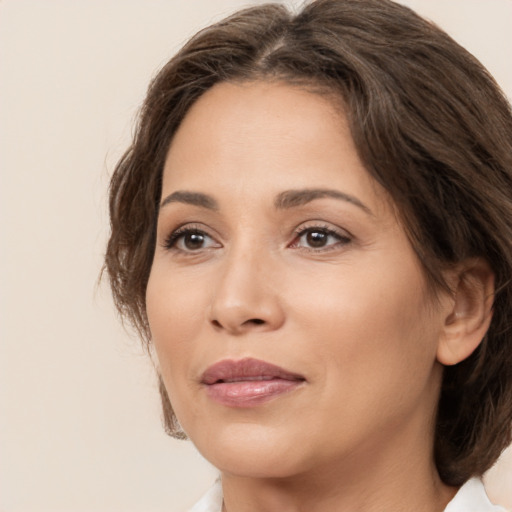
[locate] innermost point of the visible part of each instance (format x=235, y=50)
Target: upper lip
x=229, y=370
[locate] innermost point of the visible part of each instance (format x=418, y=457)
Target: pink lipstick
x=248, y=382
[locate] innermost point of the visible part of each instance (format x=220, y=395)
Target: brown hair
x=430, y=125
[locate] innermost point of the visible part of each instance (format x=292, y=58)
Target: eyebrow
x=193, y=198
x=293, y=198
x=283, y=201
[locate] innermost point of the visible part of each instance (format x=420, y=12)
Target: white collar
x=471, y=497
x=211, y=501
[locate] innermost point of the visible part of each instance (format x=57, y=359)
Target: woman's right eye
x=189, y=240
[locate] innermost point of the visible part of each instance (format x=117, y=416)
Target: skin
x=353, y=316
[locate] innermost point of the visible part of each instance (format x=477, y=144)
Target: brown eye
x=320, y=239
x=190, y=240
x=193, y=241
x=317, y=238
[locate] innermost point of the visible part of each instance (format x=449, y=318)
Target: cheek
x=176, y=314
x=175, y=317
x=371, y=320
x=364, y=341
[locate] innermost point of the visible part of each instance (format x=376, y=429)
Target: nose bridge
x=245, y=296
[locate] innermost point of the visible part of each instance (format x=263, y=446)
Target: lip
x=248, y=382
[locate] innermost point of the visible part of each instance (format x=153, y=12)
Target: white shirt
x=470, y=498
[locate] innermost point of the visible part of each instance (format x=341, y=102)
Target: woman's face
x=275, y=248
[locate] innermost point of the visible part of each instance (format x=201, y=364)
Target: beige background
x=79, y=413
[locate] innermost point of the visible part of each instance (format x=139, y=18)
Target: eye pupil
x=316, y=238
x=193, y=241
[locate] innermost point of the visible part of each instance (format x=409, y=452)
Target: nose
x=246, y=296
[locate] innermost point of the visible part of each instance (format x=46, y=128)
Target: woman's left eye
x=318, y=238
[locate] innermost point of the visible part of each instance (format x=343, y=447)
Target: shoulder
x=472, y=498
x=211, y=501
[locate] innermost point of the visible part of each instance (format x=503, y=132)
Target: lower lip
x=250, y=393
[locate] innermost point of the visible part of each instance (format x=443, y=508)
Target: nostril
x=236, y=325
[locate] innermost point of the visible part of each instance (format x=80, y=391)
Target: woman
x=312, y=229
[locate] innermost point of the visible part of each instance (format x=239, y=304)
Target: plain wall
x=80, y=422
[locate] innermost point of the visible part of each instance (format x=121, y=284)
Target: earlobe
x=470, y=311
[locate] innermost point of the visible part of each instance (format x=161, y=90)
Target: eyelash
x=342, y=239
x=173, y=238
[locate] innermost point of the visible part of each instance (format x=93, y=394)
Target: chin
x=249, y=450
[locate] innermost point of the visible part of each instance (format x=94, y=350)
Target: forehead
x=269, y=112
x=268, y=137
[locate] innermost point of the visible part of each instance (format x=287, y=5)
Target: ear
x=470, y=311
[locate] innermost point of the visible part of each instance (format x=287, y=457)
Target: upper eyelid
x=185, y=227
x=188, y=226
x=322, y=225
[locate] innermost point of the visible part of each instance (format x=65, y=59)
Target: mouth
x=248, y=382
